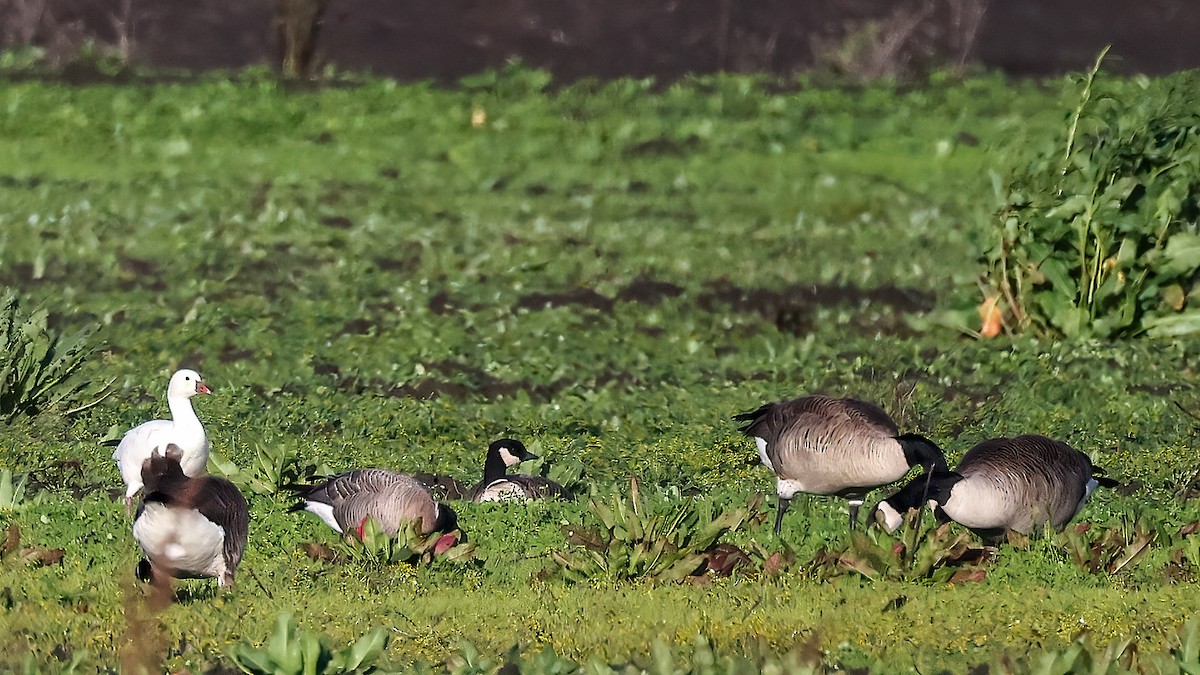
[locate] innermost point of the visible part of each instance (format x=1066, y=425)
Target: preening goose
x=1018, y=484
x=188, y=527
x=347, y=500
x=834, y=446
x=183, y=430
x=498, y=485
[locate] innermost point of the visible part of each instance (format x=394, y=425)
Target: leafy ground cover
x=395, y=275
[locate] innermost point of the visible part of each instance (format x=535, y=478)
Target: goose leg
x=855, y=502
x=779, y=511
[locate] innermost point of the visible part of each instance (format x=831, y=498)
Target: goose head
x=162, y=467
x=930, y=488
x=920, y=451
x=510, y=451
x=447, y=519
x=186, y=384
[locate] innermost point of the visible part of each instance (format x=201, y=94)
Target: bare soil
x=418, y=39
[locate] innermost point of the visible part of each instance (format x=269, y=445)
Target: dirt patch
x=62, y=476
x=648, y=291
x=231, y=353
x=662, y=38
x=140, y=274
x=580, y=297
x=793, y=310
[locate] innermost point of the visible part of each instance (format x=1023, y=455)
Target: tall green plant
x=293, y=652
x=1098, y=230
x=637, y=540
x=38, y=365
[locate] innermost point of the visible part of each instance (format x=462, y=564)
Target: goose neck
x=494, y=467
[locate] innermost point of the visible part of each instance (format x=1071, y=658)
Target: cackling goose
x=498, y=485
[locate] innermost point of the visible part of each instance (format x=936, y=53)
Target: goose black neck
x=920, y=451
x=494, y=467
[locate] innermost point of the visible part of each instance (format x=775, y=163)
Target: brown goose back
x=1019, y=483
x=392, y=499
x=829, y=445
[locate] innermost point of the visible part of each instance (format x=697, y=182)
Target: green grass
x=328, y=258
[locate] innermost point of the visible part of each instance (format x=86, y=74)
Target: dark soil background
x=445, y=39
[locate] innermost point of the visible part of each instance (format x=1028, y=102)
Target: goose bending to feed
x=1018, y=484
x=498, y=485
x=183, y=430
x=834, y=446
x=188, y=527
x=347, y=500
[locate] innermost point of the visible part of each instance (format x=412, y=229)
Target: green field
x=607, y=271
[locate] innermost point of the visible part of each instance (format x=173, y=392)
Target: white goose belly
x=983, y=504
x=181, y=541
x=503, y=491
x=821, y=476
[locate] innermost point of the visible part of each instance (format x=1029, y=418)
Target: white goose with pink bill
x=183, y=430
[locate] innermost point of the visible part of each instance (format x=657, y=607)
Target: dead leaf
x=12, y=540
x=992, y=317
x=318, y=552
x=967, y=576
x=37, y=556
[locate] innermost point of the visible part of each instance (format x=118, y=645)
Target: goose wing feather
x=517, y=487
x=1037, y=475
x=223, y=504
x=392, y=505
x=806, y=434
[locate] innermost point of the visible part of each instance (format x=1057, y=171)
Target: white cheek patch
x=509, y=458
x=762, y=452
x=1091, y=485
x=889, y=517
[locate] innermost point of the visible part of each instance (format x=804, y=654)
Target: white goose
x=183, y=430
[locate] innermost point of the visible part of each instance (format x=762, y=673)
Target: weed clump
x=1098, y=229
x=659, y=543
x=38, y=366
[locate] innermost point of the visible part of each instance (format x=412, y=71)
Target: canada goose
x=498, y=485
x=1017, y=484
x=347, y=500
x=188, y=527
x=183, y=430
x=834, y=446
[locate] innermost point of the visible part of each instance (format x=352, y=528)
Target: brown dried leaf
x=12, y=540
x=42, y=557
x=967, y=576
x=319, y=552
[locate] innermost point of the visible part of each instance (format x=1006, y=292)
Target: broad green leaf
x=1181, y=255
x=1185, y=323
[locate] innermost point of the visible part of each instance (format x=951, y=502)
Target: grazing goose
x=834, y=446
x=347, y=500
x=498, y=485
x=183, y=430
x=1018, y=484
x=188, y=527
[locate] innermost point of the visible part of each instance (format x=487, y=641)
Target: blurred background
x=445, y=39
